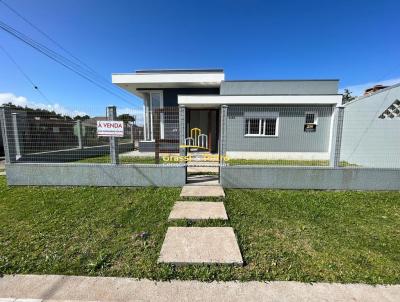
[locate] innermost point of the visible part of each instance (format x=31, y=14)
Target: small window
x=261, y=126
x=311, y=118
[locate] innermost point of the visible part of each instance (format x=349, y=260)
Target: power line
x=25, y=74
x=58, y=58
x=94, y=73
x=47, y=36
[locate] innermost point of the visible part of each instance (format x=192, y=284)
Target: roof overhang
x=217, y=100
x=134, y=82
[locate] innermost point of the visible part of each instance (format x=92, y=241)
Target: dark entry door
x=207, y=121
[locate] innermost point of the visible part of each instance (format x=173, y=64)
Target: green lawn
x=284, y=162
x=277, y=162
x=283, y=235
x=122, y=159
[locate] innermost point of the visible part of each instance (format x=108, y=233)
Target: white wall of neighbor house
x=371, y=130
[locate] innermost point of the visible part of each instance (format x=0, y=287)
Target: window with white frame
x=266, y=126
x=311, y=117
x=152, y=101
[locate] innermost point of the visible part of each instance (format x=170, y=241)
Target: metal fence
x=45, y=137
x=310, y=136
x=280, y=135
x=302, y=146
x=33, y=136
x=306, y=147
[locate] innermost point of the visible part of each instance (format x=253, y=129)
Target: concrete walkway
x=69, y=288
x=200, y=245
x=198, y=210
x=199, y=190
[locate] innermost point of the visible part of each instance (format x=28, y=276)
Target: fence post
x=156, y=134
x=114, y=152
x=132, y=137
x=17, y=135
x=222, y=139
x=336, y=142
x=79, y=133
x=182, y=130
x=8, y=154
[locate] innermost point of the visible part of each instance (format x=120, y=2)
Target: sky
x=356, y=42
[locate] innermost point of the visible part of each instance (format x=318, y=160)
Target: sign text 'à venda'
x=110, y=128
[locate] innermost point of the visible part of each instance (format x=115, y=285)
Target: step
x=198, y=210
x=202, y=180
x=202, y=191
x=200, y=245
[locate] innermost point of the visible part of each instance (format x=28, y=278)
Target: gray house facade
x=278, y=119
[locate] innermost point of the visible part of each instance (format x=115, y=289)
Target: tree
x=347, y=97
x=37, y=111
x=82, y=118
x=126, y=118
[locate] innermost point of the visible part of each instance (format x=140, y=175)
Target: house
x=374, y=89
x=271, y=119
x=371, y=127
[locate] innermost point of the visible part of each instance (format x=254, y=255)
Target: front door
x=203, y=129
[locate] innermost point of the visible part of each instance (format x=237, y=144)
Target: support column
x=114, y=152
x=156, y=134
x=336, y=142
x=182, y=130
x=79, y=133
x=222, y=137
x=132, y=137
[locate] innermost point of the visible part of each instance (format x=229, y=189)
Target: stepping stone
x=202, y=191
x=197, y=245
x=197, y=210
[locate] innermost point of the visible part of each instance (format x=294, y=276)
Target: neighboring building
x=278, y=119
x=374, y=89
x=371, y=129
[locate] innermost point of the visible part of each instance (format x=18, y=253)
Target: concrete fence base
x=52, y=174
x=324, y=178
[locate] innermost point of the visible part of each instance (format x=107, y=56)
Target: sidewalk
x=69, y=288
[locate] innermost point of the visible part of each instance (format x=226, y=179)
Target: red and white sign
x=110, y=128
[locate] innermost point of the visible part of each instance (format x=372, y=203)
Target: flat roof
x=279, y=87
x=196, y=70
x=283, y=80
x=134, y=82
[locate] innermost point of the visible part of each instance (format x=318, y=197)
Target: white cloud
x=358, y=89
x=24, y=102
